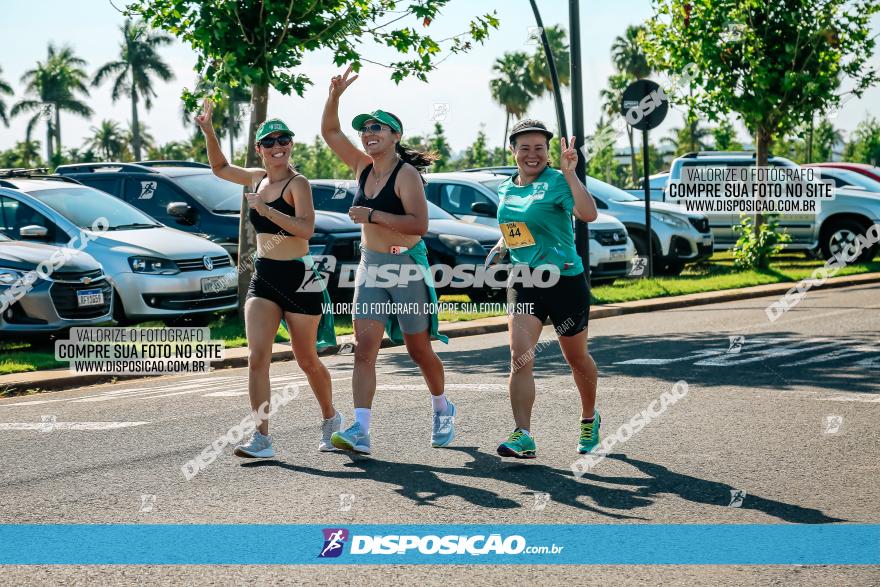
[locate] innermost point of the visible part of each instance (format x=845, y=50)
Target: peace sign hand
x=204, y=119
x=568, y=160
x=340, y=83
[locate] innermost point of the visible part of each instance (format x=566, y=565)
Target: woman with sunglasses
x=535, y=212
x=391, y=206
x=283, y=216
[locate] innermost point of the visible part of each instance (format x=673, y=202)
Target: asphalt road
x=784, y=415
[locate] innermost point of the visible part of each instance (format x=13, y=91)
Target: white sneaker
x=258, y=446
x=328, y=427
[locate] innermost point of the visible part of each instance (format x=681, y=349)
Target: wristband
x=370, y=216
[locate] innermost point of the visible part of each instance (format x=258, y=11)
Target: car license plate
x=216, y=284
x=89, y=297
x=618, y=253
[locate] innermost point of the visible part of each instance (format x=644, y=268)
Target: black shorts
x=567, y=303
x=279, y=280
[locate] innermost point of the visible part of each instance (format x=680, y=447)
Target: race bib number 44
x=517, y=235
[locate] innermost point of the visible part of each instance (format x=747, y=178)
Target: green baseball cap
x=272, y=125
x=381, y=116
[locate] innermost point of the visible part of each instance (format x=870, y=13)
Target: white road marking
x=450, y=386
x=844, y=353
x=49, y=427
x=226, y=394
x=850, y=398
x=777, y=351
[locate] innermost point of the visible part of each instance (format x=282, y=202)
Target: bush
x=754, y=248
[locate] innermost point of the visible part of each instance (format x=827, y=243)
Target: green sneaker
x=519, y=445
x=589, y=434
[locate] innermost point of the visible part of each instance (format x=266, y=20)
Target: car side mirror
x=484, y=209
x=33, y=231
x=180, y=210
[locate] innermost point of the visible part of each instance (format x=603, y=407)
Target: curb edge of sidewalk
x=459, y=329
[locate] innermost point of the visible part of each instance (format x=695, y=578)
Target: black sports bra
x=386, y=200
x=263, y=224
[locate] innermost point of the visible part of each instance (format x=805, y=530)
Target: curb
x=58, y=379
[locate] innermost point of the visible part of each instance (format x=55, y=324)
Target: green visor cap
x=272, y=125
x=379, y=115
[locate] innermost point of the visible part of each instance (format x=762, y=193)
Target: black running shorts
x=566, y=303
x=278, y=281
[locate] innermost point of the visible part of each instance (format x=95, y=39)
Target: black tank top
x=386, y=200
x=263, y=224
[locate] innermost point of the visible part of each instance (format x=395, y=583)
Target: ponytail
x=418, y=159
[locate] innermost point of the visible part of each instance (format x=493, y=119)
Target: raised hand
x=340, y=83
x=569, y=157
x=204, y=119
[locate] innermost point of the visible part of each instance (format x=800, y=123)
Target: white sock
x=526, y=432
x=439, y=402
x=362, y=417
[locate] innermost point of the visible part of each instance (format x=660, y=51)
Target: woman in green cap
x=535, y=212
x=280, y=208
x=391, y=206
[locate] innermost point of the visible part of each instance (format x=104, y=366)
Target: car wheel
x=119, y=311
x=837, y=238
x=488, y=295
x=671, y=269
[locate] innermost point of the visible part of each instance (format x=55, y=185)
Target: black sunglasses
x=374, y=128
x=269, y=142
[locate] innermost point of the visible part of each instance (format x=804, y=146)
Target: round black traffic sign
x=644, y=104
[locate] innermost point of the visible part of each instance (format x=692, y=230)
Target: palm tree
x=53, y=85
x=630, y=60
x=690, y=137
x=138, y=61
x=229, y=114
x=539, y=70
x=513, y=87
x=28, y=152
x=147, y=139
x=7, y=90
x=108, y=140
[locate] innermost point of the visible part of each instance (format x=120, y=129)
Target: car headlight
x=9, y=276
x=153, y=265
x=670, y=220
x=462, y=245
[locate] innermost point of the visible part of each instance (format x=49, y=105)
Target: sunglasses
x=269, y=142
x=374, y=128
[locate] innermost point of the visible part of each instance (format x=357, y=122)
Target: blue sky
x=461, y=82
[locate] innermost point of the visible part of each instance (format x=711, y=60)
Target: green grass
x=713, y=275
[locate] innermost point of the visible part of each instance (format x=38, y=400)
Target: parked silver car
x=34, y=303
x=833, y=228
x=157, y=272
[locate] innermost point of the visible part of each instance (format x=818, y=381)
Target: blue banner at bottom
x=591, y=544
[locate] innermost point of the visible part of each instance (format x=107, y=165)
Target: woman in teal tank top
x=535, y=212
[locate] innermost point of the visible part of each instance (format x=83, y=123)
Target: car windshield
x=4, y=238
x=853, y=179
x=493, y=184
x=83, y=205
x=606, y=191
x=215, y=194
x=435, y=212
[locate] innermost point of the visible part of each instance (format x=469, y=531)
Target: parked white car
x=157, y=272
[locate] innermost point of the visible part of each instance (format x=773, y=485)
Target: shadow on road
x=421, y=483
x=779, y=361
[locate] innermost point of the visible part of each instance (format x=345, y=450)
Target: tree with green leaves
x=864, y=143
x=53, y=86
x=512, y=87
x=438, y=144
x=132, y=72
x=478, y=155
x=774, y=64
x=23, y=154
x=825, y=137
x=5, y=90
x=108, y=140
x=724, y=136
x=688, y=138
x=260, y=44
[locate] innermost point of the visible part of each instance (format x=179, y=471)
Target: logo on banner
x=334, y=540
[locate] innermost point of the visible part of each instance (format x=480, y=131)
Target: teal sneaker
x=352, y=440
x=443, y=426
x=519, y=445
x=589, y=438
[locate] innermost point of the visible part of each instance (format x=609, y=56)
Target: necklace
x=379, y=177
